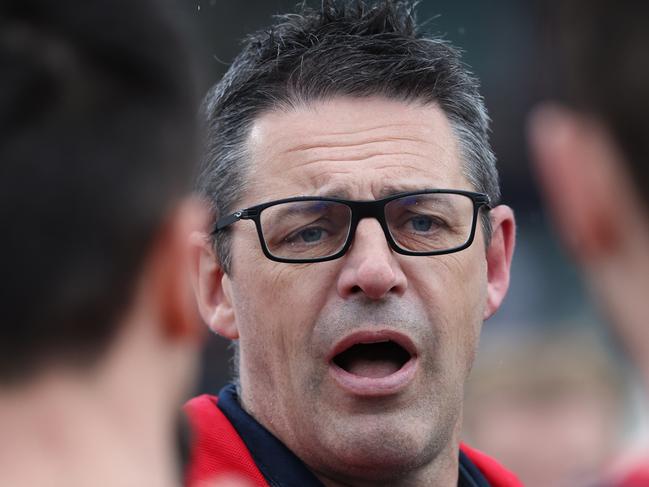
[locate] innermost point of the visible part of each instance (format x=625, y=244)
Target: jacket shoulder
x=217, y=450
x=494, y=472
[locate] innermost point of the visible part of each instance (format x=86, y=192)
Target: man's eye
x=307, y=235
x=421, y=223
x=311, y=234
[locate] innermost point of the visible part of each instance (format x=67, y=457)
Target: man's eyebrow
x=340, y=193
x=386, y=191
x=391, y=190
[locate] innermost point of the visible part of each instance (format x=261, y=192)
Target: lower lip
x=375, y=387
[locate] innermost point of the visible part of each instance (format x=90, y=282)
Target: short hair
x=344, y=48
x=98, y=103
x=603, y=69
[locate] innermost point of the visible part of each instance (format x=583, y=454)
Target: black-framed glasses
x=316, y=229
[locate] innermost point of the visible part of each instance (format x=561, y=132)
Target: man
x=99, y=340
x=591, y=151
x=357, y=248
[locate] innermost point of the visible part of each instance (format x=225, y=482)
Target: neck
x=429, y=475
x=67, y=430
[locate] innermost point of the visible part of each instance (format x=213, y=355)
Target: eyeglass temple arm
x=226, y=221
x=485, y=201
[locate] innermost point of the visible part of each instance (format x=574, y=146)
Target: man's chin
x=363, y=449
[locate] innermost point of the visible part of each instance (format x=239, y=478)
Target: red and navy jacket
x=228, y=441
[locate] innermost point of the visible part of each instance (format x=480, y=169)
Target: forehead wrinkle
x=299, y=153
x=440, y=156
x=307, y=153
x=350, y=117
x=374, y=128
x=362, y=157
x=316, y=135
x=334, y=179
x=320, y=130
x=359, y=149
x=341, y=180
x=319, y=136
x=320, y=170
x=328, y=145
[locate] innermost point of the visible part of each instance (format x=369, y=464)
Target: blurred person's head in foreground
x=591, y=151
x=99, y=339
x=358, y=246
x=560, y=394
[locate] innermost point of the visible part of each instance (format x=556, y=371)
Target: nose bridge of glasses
x=363, y=210
x=369, y=209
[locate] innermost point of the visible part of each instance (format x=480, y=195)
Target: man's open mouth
x=373, y=360
x=373, y=363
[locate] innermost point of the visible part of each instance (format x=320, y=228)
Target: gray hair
x=343, y=48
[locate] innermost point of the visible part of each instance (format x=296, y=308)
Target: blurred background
x=551, y=395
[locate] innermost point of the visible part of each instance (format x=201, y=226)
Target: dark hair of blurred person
x=98, y=340
x=591, y=150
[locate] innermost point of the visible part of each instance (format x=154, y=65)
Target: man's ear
x=167, y=273
x=572, y=159
x=212, y=288
x=499, y=256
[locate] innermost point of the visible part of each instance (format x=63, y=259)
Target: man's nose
x=370, y=266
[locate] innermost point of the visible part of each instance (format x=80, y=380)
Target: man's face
x=358, y=362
